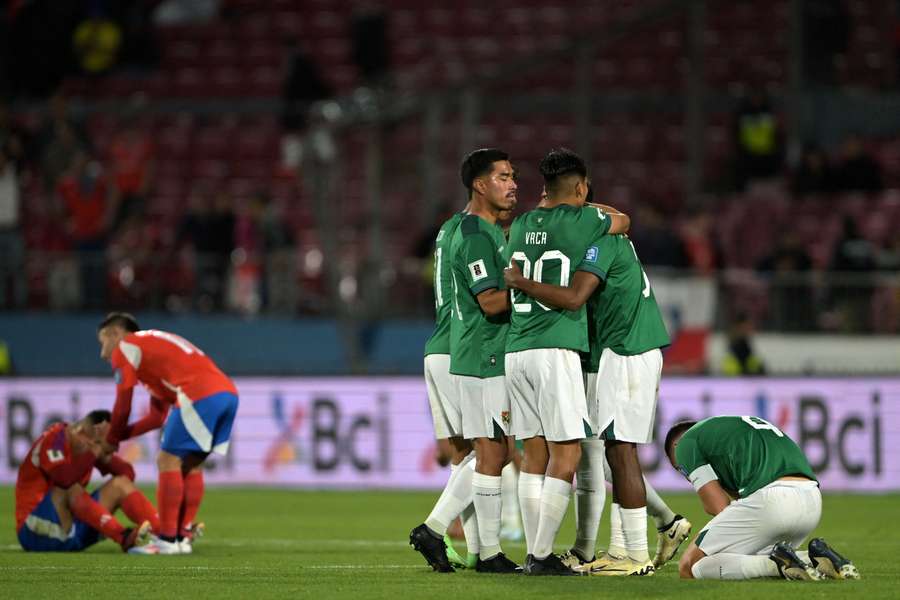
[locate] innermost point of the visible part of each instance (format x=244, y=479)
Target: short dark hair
x=675, y=432
x=478, y=163
x=558, y=163
x=122, y=319
x=98, y=416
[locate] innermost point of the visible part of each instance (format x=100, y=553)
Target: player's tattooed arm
x=572, y=297
x=713, y=497
x=619, y=221
x=493, y=302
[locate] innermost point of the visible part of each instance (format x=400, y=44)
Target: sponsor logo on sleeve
x=477, y=270
x=591, y=254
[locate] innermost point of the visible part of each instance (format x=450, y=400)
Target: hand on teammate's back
x=512, y=275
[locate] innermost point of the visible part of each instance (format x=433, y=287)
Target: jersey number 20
x=537, y=275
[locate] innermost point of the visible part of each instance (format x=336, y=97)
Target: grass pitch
x=264, y=543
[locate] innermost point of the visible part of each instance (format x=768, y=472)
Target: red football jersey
x=170, y=367
x=50, y=451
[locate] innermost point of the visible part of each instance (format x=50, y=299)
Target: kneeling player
x=203, y=403
x=54, y=513
x=778, y=502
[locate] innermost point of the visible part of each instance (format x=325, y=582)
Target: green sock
x=455, y=559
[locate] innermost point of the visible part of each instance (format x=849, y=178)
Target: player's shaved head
x=479, y=163
x=675, y=432
x=119, y=319
x=562, y=171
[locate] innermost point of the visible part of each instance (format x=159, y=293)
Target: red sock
x=137, y=508
x=94, y=514
x=168, y=500
x=193, y=495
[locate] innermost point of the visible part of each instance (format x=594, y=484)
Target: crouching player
x=54, y=513
x=778, y=503
x=191, y=399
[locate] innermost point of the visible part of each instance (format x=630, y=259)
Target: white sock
x=457, y=495
x=634, y=524
x=616, y=534
x=470, y=527
x=590, y=496
x=530, y=487
x=488, y=508
x=734, y=566
x=554, y=503
x=657, y=508
x=509, y=481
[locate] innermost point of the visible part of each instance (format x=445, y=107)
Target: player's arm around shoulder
x=619, y=222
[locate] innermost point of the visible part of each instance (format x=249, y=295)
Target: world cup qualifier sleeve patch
x=591, y=254
x=477, y=270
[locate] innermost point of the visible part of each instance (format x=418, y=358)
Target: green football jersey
x=743, y=453
x=439, y=342
x=548, y=244
x=622, y=312
x=476, y=340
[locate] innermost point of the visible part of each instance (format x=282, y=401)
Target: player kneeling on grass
x=54, y=513
x=203, y=403
x=777, y=502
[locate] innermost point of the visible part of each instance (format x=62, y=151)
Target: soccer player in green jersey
x=543, y=367
x=776, y=505
x=446, y=414
x=479, y=319
x=626, y=334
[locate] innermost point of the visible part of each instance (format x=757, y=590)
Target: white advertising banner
x=376, y=432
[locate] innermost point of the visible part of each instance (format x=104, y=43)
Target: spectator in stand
x=659, y=244
x=303, y=85
x=888, y=257
x=131, y=158
x=741, y=359
x=12, y=246
x=87, y=199
x=856, y=170
x=60, y=138
x=279, y=278
x=851, y=294
x=814, y=174
x=371, y=52
x=788, y=271
x=758, y=143
x=826, y=26
x=12, y=139
x=215, y=256
x=699, y=244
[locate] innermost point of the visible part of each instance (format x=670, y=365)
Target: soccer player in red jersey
x=54, y=513
x=190, y=398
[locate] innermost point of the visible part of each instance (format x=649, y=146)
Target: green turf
x=264, y=543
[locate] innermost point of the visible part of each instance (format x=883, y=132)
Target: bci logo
x=327, y=436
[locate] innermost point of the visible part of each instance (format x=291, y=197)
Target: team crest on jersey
x=591, y=254
x=477, y=270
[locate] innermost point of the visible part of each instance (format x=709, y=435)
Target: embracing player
x=543, y=366
x=191, y=399
x=54, y=512
x=777, y=502
x=626, y=332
